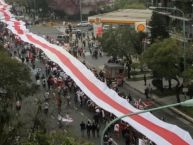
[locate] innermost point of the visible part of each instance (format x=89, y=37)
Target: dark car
x=63, y=38
x=73, y=31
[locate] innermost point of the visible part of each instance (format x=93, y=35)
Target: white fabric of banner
x=160, y=132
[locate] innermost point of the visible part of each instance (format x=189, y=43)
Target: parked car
x=64, y=38
x=73, y=30
x=90, y=27
x=83, y=24
x=106, y=27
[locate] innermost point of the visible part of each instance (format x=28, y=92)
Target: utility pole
x=80, y=2
x=35, y=9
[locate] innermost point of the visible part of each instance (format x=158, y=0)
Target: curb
x=173, y=109
x=188, y=118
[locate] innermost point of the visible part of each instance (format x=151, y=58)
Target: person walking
x=110, y=140
x=93, y=128
x=46, y=106
x=82, y=128
x=116, y=130
x=58, y=102
x=147, y=92
x=18, y=105
x=68, y=99
x=46, y=95
x=145, y=79
x=97, y=129
x=150, y=90
x=105, y=139
x=88, y=128
x=43, y=81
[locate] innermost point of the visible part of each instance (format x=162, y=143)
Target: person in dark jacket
x=93, y=128
x=82, y=128
x=88, y=128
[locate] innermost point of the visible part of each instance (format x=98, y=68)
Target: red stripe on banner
x=18, y=28
x=7, y=17
x=166, y=134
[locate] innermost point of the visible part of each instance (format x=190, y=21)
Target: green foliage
x=186, y=110
x=163, y=58
x=43, y=4
x=15, y=76
x=159, y=26
x=189, y=53
x=129, y=4
x=15, y=82
x=190, y=91
x=33, y=4
x=56, y=138
x=188, y=74
x=122, y=42
x=135, y=65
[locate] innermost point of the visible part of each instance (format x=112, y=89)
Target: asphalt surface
x=79, y=114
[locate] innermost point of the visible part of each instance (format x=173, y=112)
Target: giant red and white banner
x=160, y=132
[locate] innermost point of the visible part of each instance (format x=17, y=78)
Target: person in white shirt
x=116, y=130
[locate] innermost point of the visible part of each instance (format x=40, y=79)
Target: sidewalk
x=140, y=87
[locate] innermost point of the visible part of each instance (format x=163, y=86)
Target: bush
x=190, y=90
x=158, y=83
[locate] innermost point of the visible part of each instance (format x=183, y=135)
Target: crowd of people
x=55, y=82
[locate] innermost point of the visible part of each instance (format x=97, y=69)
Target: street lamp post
x=188, y=103
x=35, y=9
x=184, y=35
x=80, y=11
x=184, y=29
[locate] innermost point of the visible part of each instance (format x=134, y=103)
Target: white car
x=83, y=24
x=106, y=27
x=74, y=30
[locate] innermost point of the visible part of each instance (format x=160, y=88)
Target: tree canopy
x=15, y=76
x=122, y=42
x=55, y=138
x=126, y=4
x=159, y=26
x=163, y=58
x=15, y=82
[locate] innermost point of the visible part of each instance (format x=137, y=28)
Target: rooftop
x=136, y=15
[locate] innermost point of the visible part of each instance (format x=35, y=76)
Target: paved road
x=169, y=115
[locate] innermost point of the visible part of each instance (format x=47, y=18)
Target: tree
x=188, y=77
x=15, y=83
x=159, y=26
x=163, y=58
x=132, y=4
x=33, y=4
x=122, y=42
x=55, y=138
x=15, y=76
